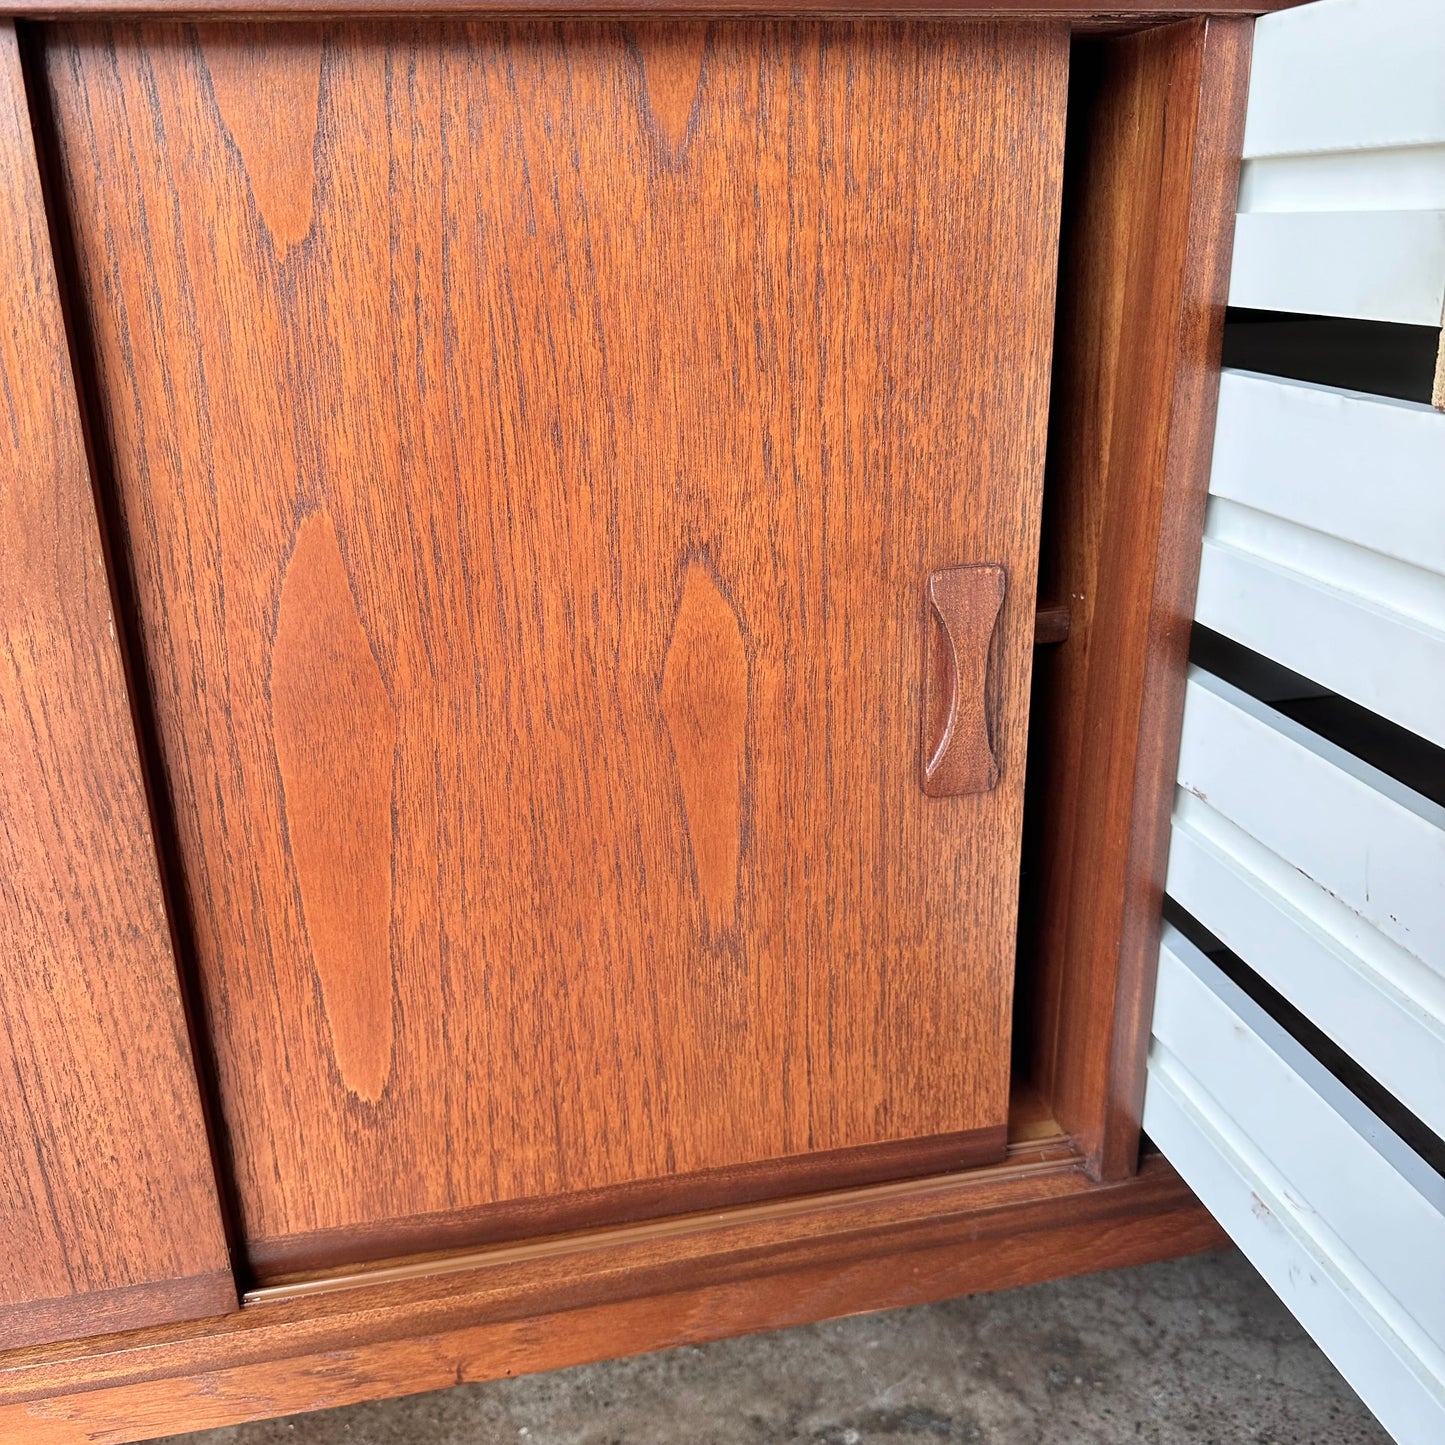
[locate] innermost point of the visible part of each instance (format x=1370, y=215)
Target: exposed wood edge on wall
x=828, y=1169
x=598, y=1296
x=1160, y=119
x=1086, y=12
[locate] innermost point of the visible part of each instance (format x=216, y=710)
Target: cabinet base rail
x=513, y=1310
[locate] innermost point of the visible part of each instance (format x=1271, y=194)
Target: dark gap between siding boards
x=1379, y=357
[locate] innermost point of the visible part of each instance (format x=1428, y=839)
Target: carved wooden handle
x=963, y=608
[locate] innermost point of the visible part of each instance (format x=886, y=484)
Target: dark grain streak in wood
x=705, y=705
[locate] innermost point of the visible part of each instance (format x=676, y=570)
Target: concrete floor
x=1197, y=1352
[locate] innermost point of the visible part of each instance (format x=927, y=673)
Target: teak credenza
x=594, y=616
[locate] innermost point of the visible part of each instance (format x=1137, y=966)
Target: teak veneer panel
x=1157, y=124
x=108, y=1212
x=531, y=444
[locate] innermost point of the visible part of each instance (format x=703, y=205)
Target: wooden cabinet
x=573, y=494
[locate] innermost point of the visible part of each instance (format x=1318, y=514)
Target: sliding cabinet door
x=108, y=1210
x=543, y=452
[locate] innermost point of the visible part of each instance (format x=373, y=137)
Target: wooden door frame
x=1157, y=127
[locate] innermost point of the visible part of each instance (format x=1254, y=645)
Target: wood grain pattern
x=705, y=704
x=335, y=733
x=1088, y=14
x=1157, y=125
x=108, y=1212
x=276, y=141
x=641, y=381
x=672, y=57
x=596, y=1297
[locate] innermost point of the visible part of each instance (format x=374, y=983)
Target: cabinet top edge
x=1082, y=14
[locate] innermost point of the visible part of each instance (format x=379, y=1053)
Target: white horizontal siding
x=1341, y=1218
x=1347, y=75
x=1325, y=876
x=1375, y=845
x=1410, y=179
x=1324, y=550
x=1373, y=265
x=1342, y=196
x=1367, y=469
x=1372, y=654
x=1377, y=1001
x=1325, y=541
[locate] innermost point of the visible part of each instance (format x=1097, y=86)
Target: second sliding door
x=530, y=449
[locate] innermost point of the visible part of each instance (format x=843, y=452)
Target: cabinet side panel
x=1156, y=124
x=108, y=1209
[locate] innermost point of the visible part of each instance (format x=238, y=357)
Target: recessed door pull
x=963, y=608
